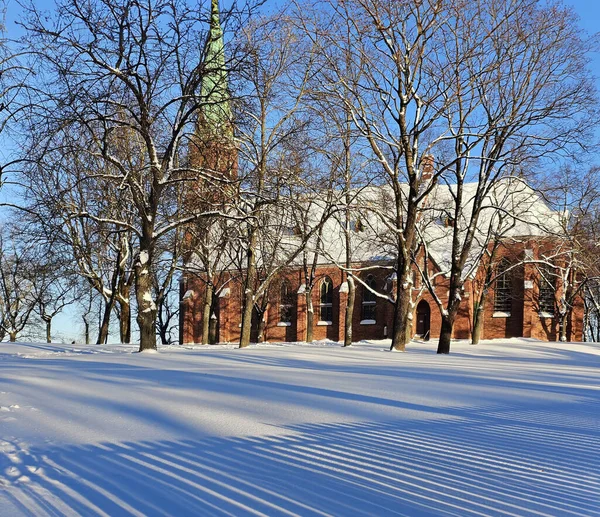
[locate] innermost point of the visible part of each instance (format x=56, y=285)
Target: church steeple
x=216, y=109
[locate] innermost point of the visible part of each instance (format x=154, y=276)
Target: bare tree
x=14, y=77
x=53, y=289
x=274, y=78
x=128, y=68
x=509, y=100
x=60, y=184
x=395, y=102
x=568, y=265
x=18, y=297
x=449, y=79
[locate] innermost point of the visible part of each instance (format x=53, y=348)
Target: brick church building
x=522, y=285
x=521, y=302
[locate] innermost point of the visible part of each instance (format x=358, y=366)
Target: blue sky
x=589, y=13
x=68, y=325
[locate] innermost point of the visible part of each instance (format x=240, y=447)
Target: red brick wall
x=524, y=319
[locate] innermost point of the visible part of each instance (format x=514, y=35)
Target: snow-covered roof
x=510, y=209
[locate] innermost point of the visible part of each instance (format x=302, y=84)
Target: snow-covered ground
x=504, y=428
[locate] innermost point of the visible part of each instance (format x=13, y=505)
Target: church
x=513, y=288
x=522, y=291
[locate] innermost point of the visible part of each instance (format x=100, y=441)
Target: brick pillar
x=301, y=314
x=342, y=304
x=528, y=295
x=224, y=316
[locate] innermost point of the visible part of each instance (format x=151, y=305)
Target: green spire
x=214, y=91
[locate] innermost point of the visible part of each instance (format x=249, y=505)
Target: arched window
x=286, y=302
x=547, y=289
x=369, y=300
x=502, y=288
x=326, y=300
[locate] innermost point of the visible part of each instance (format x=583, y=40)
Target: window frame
x=286, y=303
x=326, y=300
x=546, y=290
x=502, y=289
x=369, y=300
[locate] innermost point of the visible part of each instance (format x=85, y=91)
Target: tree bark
x=48, y=330
x=125, y=322
x=105, y=325
x=146, y=316
x=408, y=330
x=12, y=336
x=261, y=328
x=310, y=315
x=478, y=321
x=206, y=313
x=349, y=311
x=445, y=335
x=251, y=275
x=401, y=323
x=564, y=321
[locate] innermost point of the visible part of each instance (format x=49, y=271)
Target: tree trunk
x=48, y=330
x=586, y=316
x=401, y=323
x=105, y=325
x=478, y=321
x=251, y=275
x=408, y=330
x=125, y=322
x=206, y=313
x=146, y=315
x=261, y=328
x=564, y=321
x=349, y=311
x=310, y=315
x=449, y=315
x=86, y=327
x=12, y=336
x=162, y=331
x=445, y=335
x=246, y=320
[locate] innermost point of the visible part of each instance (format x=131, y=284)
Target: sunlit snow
x=502, y=428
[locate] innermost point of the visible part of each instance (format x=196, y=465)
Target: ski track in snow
x=506, y=428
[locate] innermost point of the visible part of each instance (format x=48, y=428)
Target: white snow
x=147, y=297
x=503, y=428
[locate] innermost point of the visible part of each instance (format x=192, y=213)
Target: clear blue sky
x=68, y=325
x=589, y=13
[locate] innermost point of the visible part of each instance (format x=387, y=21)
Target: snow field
x=503, y=428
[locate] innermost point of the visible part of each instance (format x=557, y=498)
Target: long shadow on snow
x=371, y=468
x=140, y=377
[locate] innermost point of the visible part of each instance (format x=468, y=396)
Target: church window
x=326, y=300
x=502, y=288
x=547, y=289
x=286, y=302
x=369, y=300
